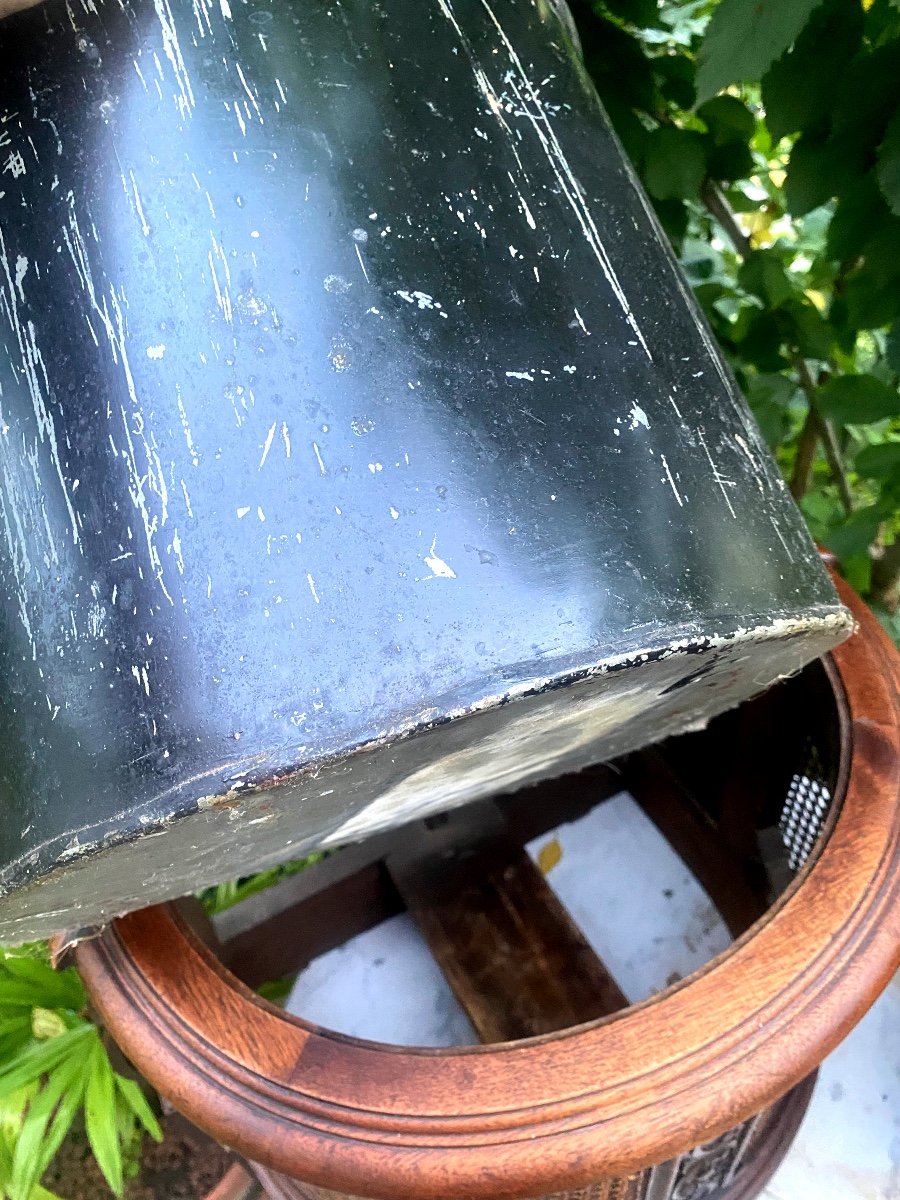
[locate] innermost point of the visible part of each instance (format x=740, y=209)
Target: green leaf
x=707, y=294
x=858, y=400
x=629, y=129
x=675, y=74
x=100, y=1118
x=15, y=1035
x=674, y=163
x=730, y=126
x=870, y=304
x=857, y=570
x=643, y=13
x=5, y=1164
x=729, y=162
x=745, y=37
x=855, y=535
x=882, y=253
x=860, y=210
x=888, y=169
x=42, y=1058
x=798, y=89
x=48, y=1119
x=29, y=982
x=276, y=991
x=892, y=348
x=876, y=462
x=616, y=62
x=137, y=1102
x=867, y=95
x=47, y=1023
x=761, y=341
x=809, y=332
x=769, y=397
x=813, y=175
x=881, y=19
x=673, y=216
x=62, y=1122
x=762, y=274
x=727, y=119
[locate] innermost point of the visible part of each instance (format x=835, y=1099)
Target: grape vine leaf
x=798, y=89
x=744, y=37
x=858, y=400
x=674, y=163
x=888, y=169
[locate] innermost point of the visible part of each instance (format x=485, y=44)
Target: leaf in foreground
x=744, y=37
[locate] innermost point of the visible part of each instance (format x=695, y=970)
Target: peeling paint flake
x=638, y=417
x=437, y=565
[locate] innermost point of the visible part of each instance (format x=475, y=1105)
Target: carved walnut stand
x=694, y=1093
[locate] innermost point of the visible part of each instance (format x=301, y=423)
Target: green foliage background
x=767, y=133
x=55, y=1070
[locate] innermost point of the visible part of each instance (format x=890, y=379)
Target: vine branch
x=816, y=428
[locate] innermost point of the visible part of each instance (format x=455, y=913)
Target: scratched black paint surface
x=346, y=388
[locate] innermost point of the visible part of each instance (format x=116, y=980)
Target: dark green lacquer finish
x=351, y=407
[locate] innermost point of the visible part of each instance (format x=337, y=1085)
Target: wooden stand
x=695, y=1093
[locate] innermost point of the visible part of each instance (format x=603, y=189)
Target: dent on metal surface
x=361, y=450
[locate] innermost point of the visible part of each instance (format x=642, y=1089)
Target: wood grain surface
x=563, y=1110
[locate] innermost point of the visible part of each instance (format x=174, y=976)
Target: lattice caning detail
x=708, y=1169
x=805, y=809
x=626, y=1188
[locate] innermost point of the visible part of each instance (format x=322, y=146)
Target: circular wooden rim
x=524, y=1118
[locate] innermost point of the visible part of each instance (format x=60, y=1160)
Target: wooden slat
x=516, y=961
x=290, y=938
x=278, y=931
x=236, y=1184
x=691, y=834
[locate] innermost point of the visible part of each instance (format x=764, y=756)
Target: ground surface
x=185, y=1167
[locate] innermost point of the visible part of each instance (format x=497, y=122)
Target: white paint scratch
x=533, y=108
x=268, y=444
x=218, y=260
x=361, y=263
x=671, y=479
x=188, y=435
x=145, y=227
x=751, y=458
x=716, y=474
x=436, y=565
x=579, y=321
x=185, y=97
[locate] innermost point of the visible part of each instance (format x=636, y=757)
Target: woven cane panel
x=278, y=1187
x=709, y=1169
x=630, y=1188
x=805, y=809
